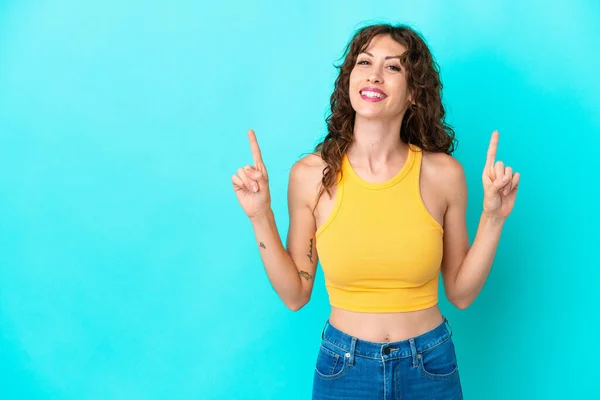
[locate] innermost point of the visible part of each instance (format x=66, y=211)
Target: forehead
x=385, y=45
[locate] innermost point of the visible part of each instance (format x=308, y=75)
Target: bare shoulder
x=445, y=172
x=309, y=164
x=306, y=174
x=442, y=163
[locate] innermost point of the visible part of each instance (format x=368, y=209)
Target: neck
x=376, y=141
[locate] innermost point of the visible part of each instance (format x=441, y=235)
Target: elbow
x=461, y=305
x=460, y=301
x=297, y=305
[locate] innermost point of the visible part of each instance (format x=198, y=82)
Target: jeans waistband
x=403, y=348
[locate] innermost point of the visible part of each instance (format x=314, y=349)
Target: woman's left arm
x=465, y=269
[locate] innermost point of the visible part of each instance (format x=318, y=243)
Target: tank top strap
x=417, y=158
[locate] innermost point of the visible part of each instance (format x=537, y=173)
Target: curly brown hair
x=423, y=123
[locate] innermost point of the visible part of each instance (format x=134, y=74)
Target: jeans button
x=386, y=351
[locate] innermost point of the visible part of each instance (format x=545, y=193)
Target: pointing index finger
x=256, y=156
x=491, y=154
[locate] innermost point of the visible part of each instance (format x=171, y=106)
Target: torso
x=387, y=327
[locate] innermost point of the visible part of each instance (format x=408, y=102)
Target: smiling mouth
x=367, y=94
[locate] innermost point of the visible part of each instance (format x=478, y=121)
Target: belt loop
x=413, y=352
x=323, y=331
x=448, y=326
x=352, y=351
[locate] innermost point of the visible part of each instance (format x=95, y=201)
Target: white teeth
x=372, y=94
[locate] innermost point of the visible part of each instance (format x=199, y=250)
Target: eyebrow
x=387, y=58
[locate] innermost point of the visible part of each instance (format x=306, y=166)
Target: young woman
x=381, y=203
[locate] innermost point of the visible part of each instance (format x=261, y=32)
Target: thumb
x=499, y=183
x=254, y=174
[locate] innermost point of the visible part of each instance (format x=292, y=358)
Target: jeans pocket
x=332, y=362
x=439, y=362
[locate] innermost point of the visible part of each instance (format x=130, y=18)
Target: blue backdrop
x=129, y=271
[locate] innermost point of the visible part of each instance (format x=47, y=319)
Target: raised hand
x=500, y=184
x=251, y=184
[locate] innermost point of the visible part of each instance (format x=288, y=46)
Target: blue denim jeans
x=422, y=367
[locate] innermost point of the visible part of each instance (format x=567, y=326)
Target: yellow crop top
x=379, y=248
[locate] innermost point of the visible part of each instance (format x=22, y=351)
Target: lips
x=372, y=94
x=372, y=89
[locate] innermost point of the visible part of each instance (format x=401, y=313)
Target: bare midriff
x=386, y=327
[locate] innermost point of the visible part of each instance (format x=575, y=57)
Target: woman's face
x=378, y=87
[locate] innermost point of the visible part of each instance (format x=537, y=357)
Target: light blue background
x=129, y=271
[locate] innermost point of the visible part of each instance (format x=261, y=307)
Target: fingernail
x=255, y=188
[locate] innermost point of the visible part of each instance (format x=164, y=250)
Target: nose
x=375, y=78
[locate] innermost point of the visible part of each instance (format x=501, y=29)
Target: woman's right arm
x=290, y=272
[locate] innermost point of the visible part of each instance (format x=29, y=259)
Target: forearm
x=279, y=266
x=476, y=266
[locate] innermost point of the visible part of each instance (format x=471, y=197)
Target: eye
x=363, y=62
x=395, y=68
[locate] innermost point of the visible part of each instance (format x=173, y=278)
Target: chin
x=368, y=116
x=369, y=113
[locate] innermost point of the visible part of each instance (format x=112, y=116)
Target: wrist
x=493, y=218
x=262, y=216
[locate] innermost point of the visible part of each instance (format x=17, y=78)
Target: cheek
x=401, y=94
x=354, y=100
x=354, y=80
x=354, y=87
